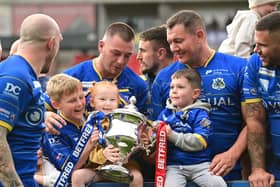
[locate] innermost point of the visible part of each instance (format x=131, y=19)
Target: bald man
x=21, y=104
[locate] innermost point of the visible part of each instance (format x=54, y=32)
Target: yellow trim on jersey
x=94, y=67
x=201, y=140
x=255, y=100
x=48, y=107
x=6, y=125
x=99, y=74
x=73, y=122
x=143, y=77
x=212, y=51
x=123, y=90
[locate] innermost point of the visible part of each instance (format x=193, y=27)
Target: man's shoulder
x=169, y=70
x=230, y=59
x=79, y=67
x=131, y=76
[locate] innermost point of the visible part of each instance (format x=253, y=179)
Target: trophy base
x=115, y=173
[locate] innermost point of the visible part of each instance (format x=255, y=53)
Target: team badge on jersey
x=218, y=84
x=34, y=116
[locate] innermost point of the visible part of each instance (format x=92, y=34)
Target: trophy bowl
x=123, y=134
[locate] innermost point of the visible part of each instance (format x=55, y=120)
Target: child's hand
x=168, y=131
x=112, y=154
x=94, y=137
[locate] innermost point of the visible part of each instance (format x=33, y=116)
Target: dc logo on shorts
x=34, y=116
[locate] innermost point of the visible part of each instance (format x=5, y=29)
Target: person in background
x=188, y=130
x=67, y=97
x=240, y=39
x=222, y=77
x=261, y=90
x=153, y=53
x=21, y=99
x=104, y=98
x=0, y=51
x=115, y=49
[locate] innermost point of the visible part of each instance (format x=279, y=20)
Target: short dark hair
x=270, y=23
x=122, y=29
x=191, y=75
x=189, y=18
x=159, y=36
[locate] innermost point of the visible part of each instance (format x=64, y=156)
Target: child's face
x=105, y=99
x=73, y=106
x=181, y=93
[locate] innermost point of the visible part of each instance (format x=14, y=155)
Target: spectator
x=240, y=39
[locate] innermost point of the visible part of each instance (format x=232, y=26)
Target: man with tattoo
x=21, y=101
x=262, y=94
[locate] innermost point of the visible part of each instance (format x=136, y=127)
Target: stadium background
x=83, y=21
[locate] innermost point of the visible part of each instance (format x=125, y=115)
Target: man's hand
x=222, y=164
x=51, y=120
x=260, y=178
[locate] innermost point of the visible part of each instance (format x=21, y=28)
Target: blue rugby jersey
x=22, y=113
x=192, y=119
x=263, y=84
x=129, y=83
x=58, y=148
x=222, y=79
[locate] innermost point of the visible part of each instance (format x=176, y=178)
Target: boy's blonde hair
x=110, y=85
x=61, y=85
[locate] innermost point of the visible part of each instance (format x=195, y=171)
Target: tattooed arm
x=8, y=174
x=256, y=125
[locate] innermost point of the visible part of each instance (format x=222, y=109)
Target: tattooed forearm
x=254, y=110
x=256, y=148
x=8, y=175
x=256, y=125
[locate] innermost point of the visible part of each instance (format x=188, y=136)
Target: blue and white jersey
x=222, y=79
x=22, y=113
x=128, y=82
x=192, y=119
x=263, y=84
x=58, y=148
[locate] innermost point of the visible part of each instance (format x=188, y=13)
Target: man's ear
x=200, y=34
x=51, y=43
x=101, y=44
x=161, y=53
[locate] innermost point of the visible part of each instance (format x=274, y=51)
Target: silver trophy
x=123, y=134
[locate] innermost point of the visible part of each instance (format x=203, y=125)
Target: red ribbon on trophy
x=161, y=150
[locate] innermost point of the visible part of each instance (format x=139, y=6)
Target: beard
x=48, y=61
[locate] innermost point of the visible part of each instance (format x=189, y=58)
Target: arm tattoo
x=8, y=175
x=256, y=121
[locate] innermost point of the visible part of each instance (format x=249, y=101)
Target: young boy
x=188, y=128
x=104, y=97
x=240, y=41
x=67, y=98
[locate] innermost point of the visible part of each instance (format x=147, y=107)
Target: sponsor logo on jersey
x=218, y=84
x=12, y=90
